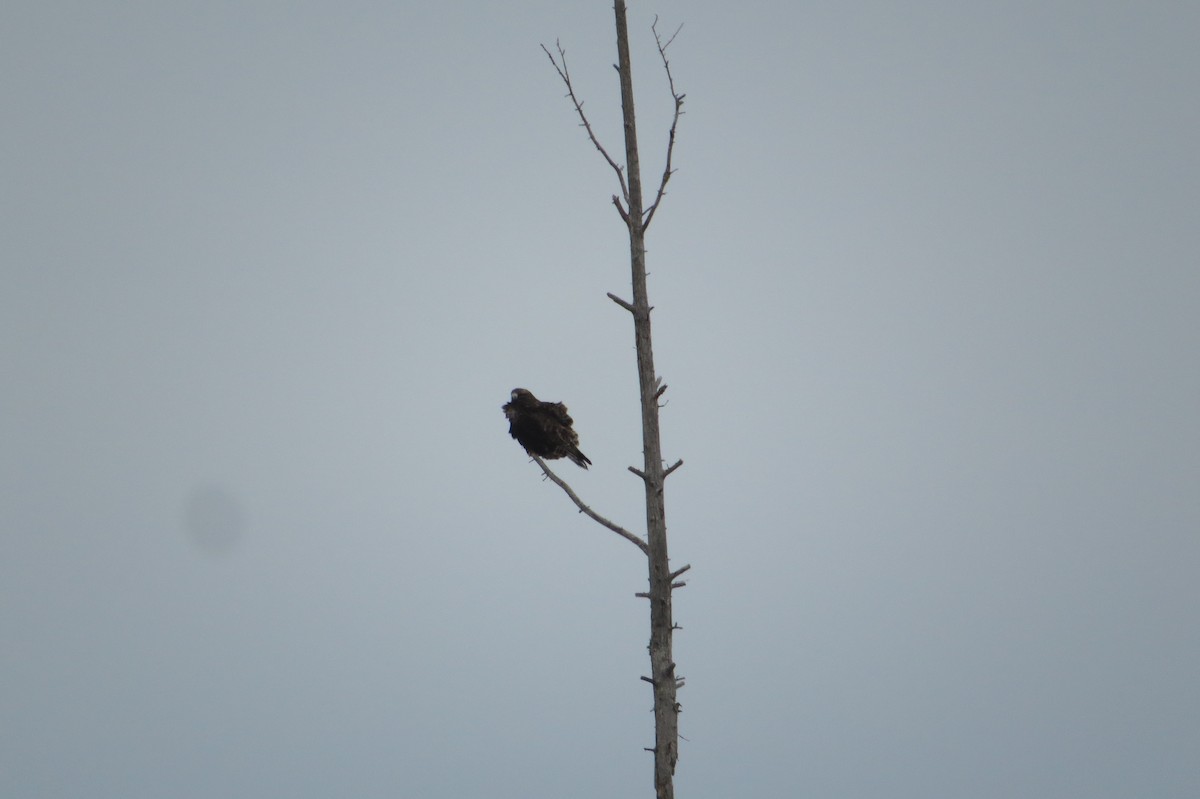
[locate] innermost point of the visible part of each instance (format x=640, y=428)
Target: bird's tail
x=578, y=457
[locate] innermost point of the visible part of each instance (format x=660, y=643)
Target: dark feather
x=543, y=428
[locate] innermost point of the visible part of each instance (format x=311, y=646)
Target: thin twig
x=673, y=467
x=616, y=528
x=565, y=74
x=667, y=171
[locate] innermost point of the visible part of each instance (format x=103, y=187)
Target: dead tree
x=637, y=218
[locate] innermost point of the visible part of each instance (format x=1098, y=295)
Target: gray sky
x=927, y=284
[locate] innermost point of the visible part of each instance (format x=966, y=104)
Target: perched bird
x=543, y=428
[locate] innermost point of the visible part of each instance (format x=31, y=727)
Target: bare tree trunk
x=637, y=218
x=662, y=664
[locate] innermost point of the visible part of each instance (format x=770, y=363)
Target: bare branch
x=620, y=302
x=678, y=585
x=596, y=517
x=673, y=467
x=638, y=472
x=565, y=74
x=680, y=571
x=616, y=201
x=667, y=171
x=654, y=25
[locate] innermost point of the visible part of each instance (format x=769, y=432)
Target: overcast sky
x=927, y=285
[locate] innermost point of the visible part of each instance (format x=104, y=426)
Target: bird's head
x=523, y=396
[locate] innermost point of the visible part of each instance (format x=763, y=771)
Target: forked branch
x=667, y=171
x=616, y=528
x=565, y=74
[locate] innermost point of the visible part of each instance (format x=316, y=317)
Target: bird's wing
x=558, y=412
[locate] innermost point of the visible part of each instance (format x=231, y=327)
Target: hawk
x=543, y=428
